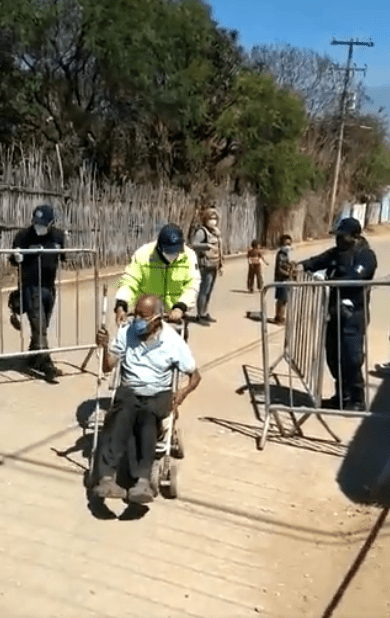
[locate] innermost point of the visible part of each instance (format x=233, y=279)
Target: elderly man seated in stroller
x=148, y=350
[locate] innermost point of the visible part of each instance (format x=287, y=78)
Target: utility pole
x=348, y=70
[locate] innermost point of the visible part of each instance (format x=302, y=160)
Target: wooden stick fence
x=113, y=219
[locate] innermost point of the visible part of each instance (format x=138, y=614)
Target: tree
x=309, y=73
x=368, y=154
x=268, y=122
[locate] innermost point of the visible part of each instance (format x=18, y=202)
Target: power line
x=348, y=70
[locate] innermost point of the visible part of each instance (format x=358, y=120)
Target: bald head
x=148, y=306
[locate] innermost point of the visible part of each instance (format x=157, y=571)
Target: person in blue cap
x=38, y=289
x=351, y=259
x=166, y=268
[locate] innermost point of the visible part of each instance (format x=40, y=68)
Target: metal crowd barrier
x=304, y=354
x=75, y=345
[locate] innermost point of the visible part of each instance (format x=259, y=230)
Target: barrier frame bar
x=39, y=252
x=272, y=409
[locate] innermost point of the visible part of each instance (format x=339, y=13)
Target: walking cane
x=97, y=407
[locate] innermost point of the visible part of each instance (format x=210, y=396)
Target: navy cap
x=170, y=239
x=350, y=225
x=43, y=215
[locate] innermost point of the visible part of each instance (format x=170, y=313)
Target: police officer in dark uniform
x=38, y=301
x=351, y=259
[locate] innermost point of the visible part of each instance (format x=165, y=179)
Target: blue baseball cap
x=43, y=215
x=170, y=239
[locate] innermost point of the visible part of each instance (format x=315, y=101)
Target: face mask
x=170, y=257
x=141, y=326
x=41, y=230
x=288, y=249
x=212, y=223
x=343, y=243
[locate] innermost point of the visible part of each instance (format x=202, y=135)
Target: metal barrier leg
x=267, y=413
x=328, y=429
x=96, y=284
x=59, y=304
x=263, y=438
x=40, y=302
x=21, y=307
x=77, y=307
x=97, y=408
x=87, y=359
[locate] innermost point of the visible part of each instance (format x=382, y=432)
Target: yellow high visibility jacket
x=147, y=273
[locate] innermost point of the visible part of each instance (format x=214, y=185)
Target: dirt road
x=270, y=534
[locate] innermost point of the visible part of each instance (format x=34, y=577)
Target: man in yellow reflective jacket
x=165, y=268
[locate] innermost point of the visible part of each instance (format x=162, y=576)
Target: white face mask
x=41, y=230
x=212, y=223
x=170, y=257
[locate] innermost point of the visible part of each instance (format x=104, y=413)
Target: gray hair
x=159, y=306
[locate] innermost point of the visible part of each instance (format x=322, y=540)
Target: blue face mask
x=141, y=326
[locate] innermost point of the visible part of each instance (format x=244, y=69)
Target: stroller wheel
x=177, y=449
x=168, y=478
x=155, y=477
x=172, y=478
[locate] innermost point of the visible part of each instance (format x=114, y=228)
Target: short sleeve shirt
x=146, y=366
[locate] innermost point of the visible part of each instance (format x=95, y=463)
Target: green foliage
x=372, y=169
x=159, y=87
x=156, y=48
x=268, y=123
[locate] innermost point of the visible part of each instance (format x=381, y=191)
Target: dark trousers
x=281, y=294
x=39, y=308
x=254, y=272
x=352, y=330
x=132, y=430
x=208, y=275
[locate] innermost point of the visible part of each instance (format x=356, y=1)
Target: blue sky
x=313, y=25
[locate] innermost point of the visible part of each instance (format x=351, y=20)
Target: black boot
x=49, y=370
x=334, y=403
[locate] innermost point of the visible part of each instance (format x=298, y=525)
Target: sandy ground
x=272, y=533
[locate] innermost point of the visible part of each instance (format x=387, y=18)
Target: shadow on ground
x=86, y=409
x=283, y=429
x=257, y=316
x=17, y=364
x=305, y=443
x=368, y=453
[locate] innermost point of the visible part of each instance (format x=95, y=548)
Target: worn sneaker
x=202, y=320
x=108, y=488
x=141, y=493
x=334, y=403
x=209, y=318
